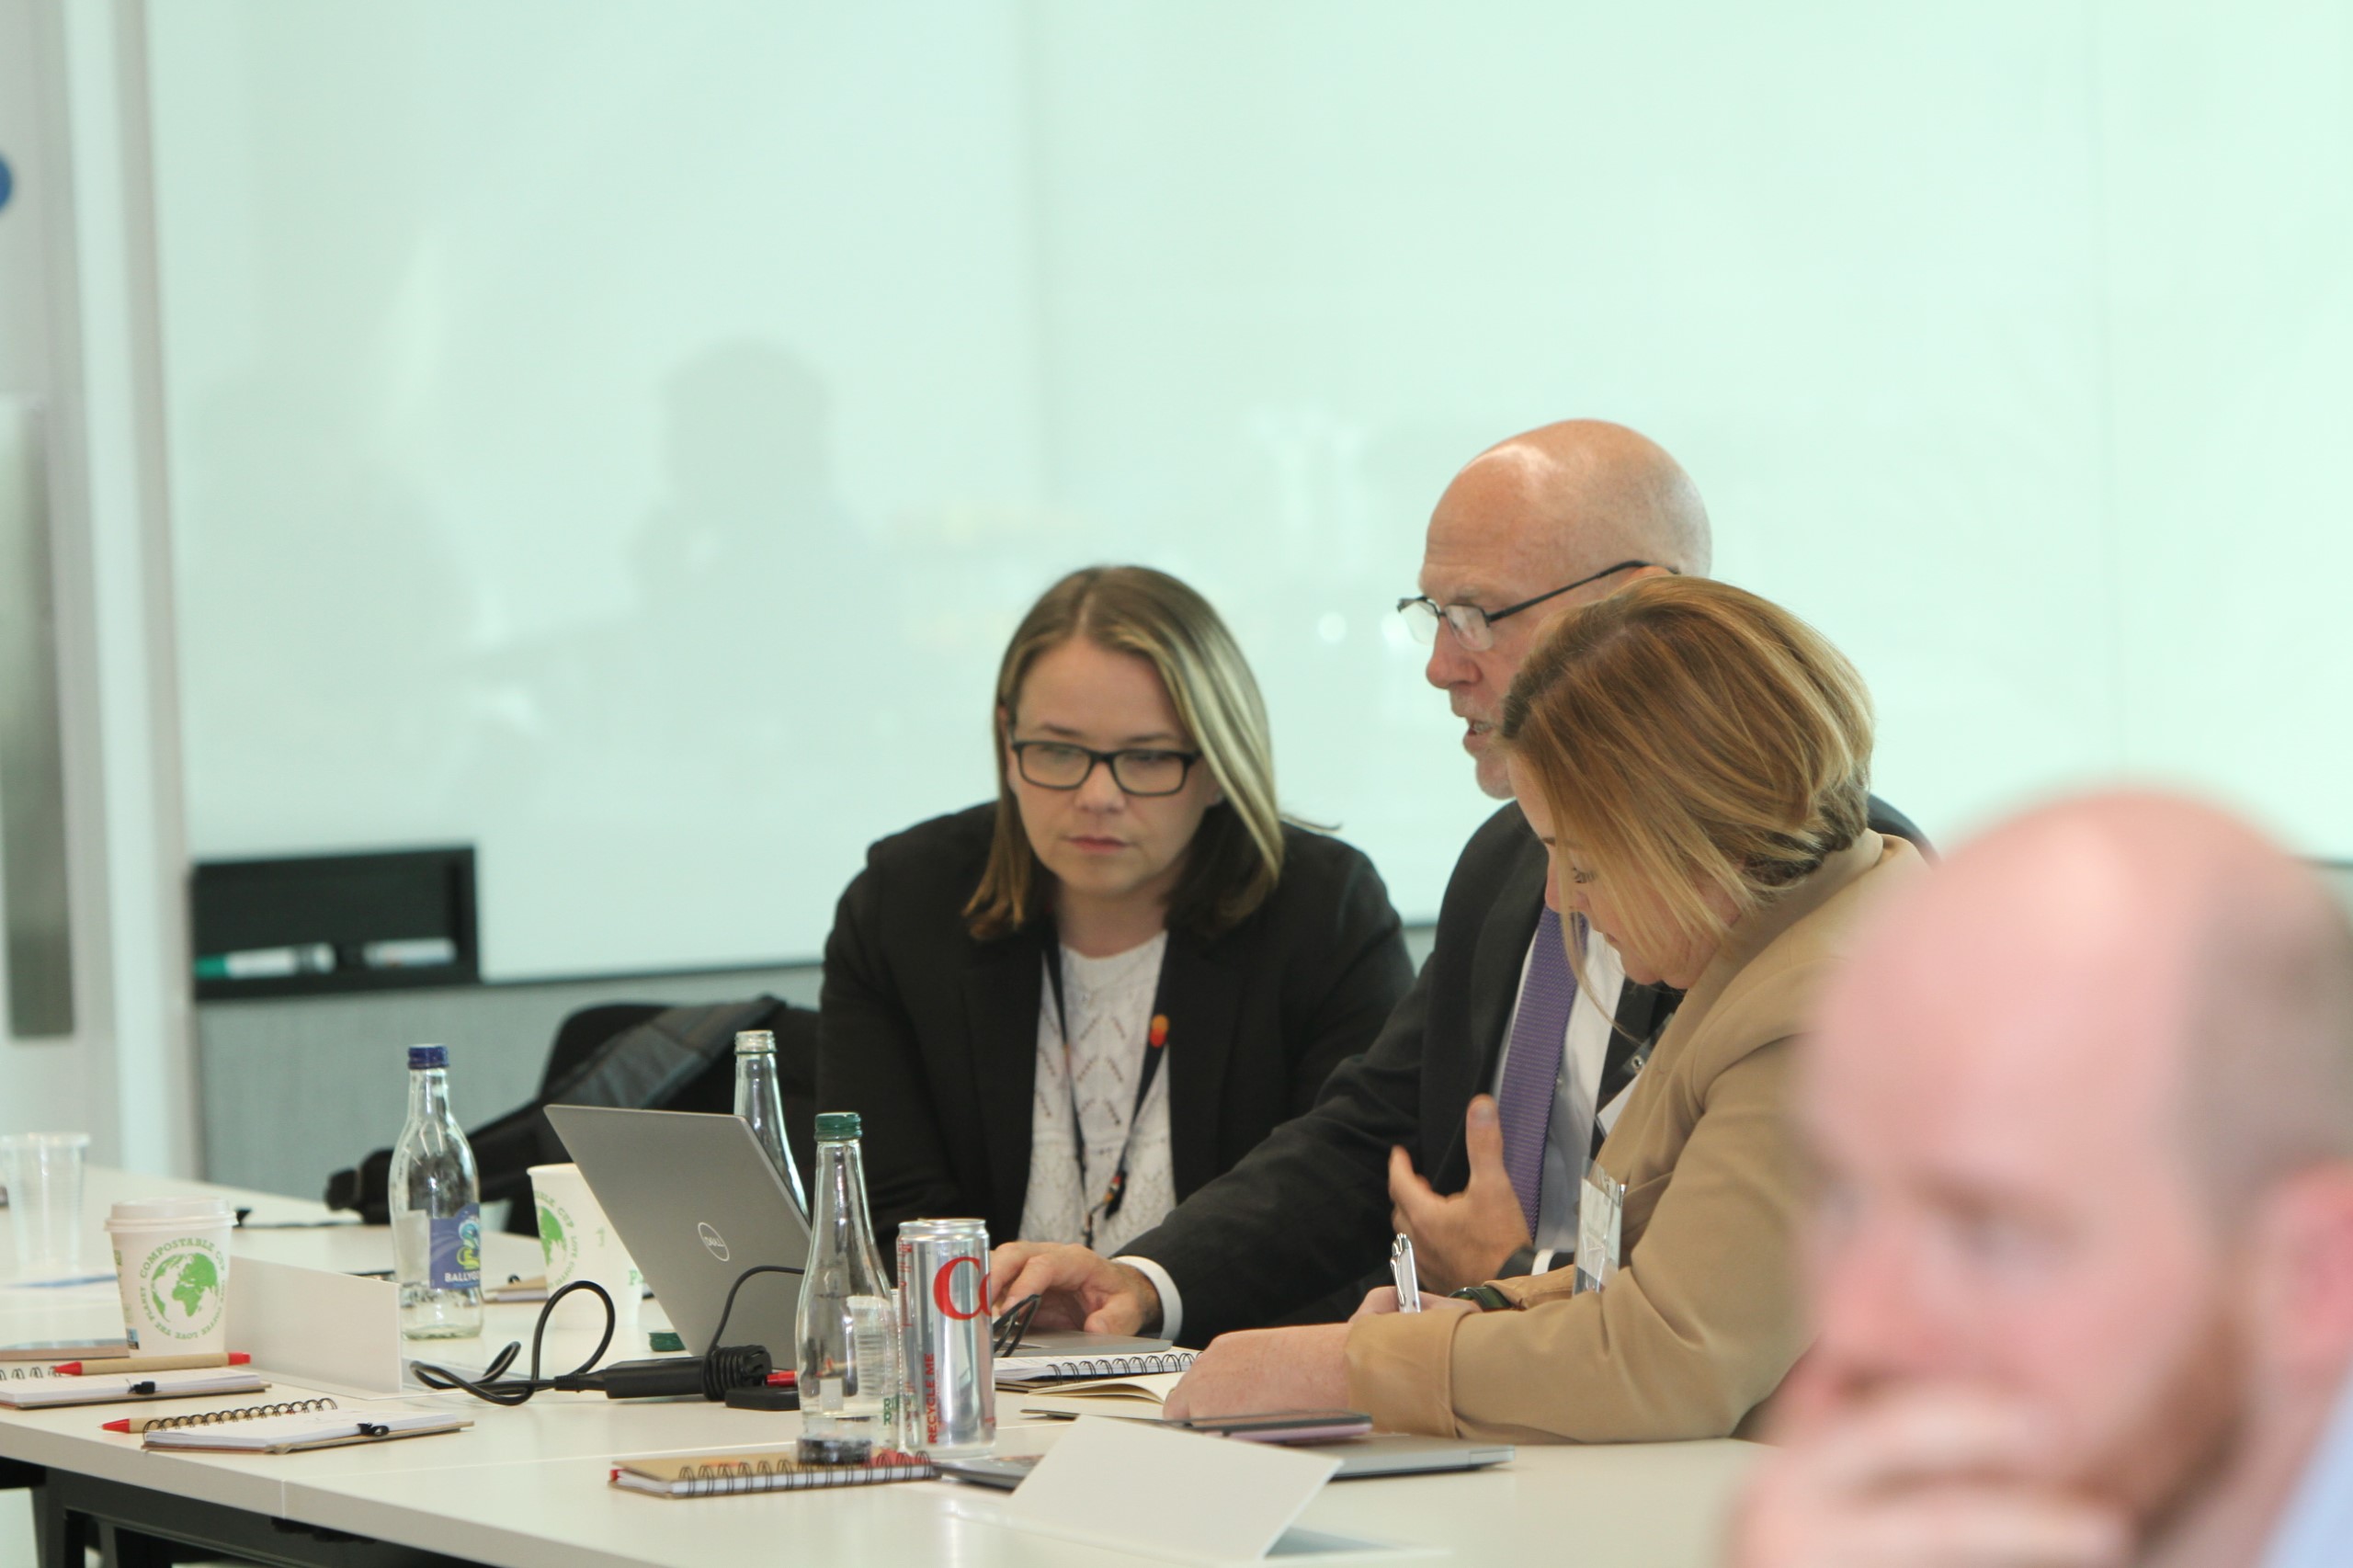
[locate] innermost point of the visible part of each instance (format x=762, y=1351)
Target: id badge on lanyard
x=1601, y=1207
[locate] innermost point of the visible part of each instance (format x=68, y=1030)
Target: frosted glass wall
x=623, y=436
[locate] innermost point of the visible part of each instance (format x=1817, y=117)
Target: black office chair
x=643, y=1055
x=587, y=1031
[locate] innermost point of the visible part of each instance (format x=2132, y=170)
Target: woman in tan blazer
x=1697, y=761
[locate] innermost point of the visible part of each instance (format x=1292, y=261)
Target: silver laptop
x=696, y=1202
x=1404, y=1453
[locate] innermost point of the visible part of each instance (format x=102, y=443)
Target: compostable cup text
x=171, y=1260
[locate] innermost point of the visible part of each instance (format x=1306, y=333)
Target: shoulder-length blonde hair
x=1237, y=853
x=1689, y=736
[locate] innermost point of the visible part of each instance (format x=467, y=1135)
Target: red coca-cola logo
x=943, y=1289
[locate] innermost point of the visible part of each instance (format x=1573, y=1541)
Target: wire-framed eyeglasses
x=1058, y=765
x=1475, y=628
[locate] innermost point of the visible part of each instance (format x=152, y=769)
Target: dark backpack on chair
x=635, y=1055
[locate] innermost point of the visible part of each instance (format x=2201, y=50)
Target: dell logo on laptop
x=712, y=1239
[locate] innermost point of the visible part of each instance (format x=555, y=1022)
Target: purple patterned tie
x=1533, y=1067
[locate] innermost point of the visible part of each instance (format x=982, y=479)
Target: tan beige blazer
x=1702, y=1319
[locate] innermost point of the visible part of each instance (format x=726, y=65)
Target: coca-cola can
x=950, y=1402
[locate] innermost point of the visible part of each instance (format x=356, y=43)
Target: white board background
x=622, y=436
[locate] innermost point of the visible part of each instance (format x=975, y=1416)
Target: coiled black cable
x=518, y=1391
x=737, y=1366
x=726, y=1366
x=734, y=1367
x=727, y=1308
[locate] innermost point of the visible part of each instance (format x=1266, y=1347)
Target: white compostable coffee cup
x=171, y=1261
x=579, y=1242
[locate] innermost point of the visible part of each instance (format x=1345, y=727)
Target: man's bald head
x=1585, y=494
x=2143, y=935
x=1530, y=516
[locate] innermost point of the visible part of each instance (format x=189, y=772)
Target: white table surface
x=528, y=1487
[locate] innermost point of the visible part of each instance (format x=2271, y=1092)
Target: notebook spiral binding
x=771, y=1475
x=1120, y=1366
x=245, y=1413
x=23, y=1372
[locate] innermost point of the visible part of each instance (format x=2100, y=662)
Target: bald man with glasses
x=1469, y=1123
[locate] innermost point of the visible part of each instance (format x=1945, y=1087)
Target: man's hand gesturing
x=1464, y=1239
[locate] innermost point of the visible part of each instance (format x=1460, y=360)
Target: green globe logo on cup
x=183, y=1286
x=171, y=1258
x=556, y=1233
x=579, y=1244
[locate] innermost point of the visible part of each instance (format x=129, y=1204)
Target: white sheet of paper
x=336, y=1332
x=1177, y=1494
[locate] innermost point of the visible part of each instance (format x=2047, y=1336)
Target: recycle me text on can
x=950, y=1404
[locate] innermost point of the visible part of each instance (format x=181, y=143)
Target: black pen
x=1007, y=1332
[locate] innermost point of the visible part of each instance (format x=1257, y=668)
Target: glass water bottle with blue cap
x=436, y=1201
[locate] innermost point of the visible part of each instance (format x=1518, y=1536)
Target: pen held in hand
x=1401, y=1269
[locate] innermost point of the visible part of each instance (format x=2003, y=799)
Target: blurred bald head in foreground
x=2082, y=1262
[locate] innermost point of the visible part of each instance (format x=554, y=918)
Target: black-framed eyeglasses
x=1058, y=765
x=1475, y=628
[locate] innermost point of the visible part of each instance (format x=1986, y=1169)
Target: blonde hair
x=1690, y=737
x=1237, y=853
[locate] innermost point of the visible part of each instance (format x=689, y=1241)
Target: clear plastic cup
x=43, y=1174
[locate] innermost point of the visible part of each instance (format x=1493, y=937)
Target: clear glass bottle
x=437, y=1210
x=848, y=1325
x=759, y=1100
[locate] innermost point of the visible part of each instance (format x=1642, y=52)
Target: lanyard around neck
x=1115, y=1192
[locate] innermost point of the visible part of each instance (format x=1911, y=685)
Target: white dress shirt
x=2317, y=1529
x=1568, y=1141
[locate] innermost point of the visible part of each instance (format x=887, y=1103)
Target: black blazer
x=932, y=1036
x=1308, y=1213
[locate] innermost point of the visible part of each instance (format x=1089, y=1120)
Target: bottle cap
x=751, y=1042
x=834, y=1126
x=428, y=1056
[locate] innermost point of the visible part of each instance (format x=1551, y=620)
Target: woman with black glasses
x=1065, y=1010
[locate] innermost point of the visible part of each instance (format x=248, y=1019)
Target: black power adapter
x=727, y=1366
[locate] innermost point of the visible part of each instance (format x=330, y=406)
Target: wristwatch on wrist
x=1486, y=1298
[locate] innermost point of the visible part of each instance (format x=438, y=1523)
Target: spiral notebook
x=37, y=1388
x=255, y=1430
x=722, y=1475
x=1030, y=1373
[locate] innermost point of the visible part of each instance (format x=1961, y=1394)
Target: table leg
x=60, y=1538
x=137, y=1527
x=120, y=1548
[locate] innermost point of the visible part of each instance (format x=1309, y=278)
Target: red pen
x=147, y=1364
